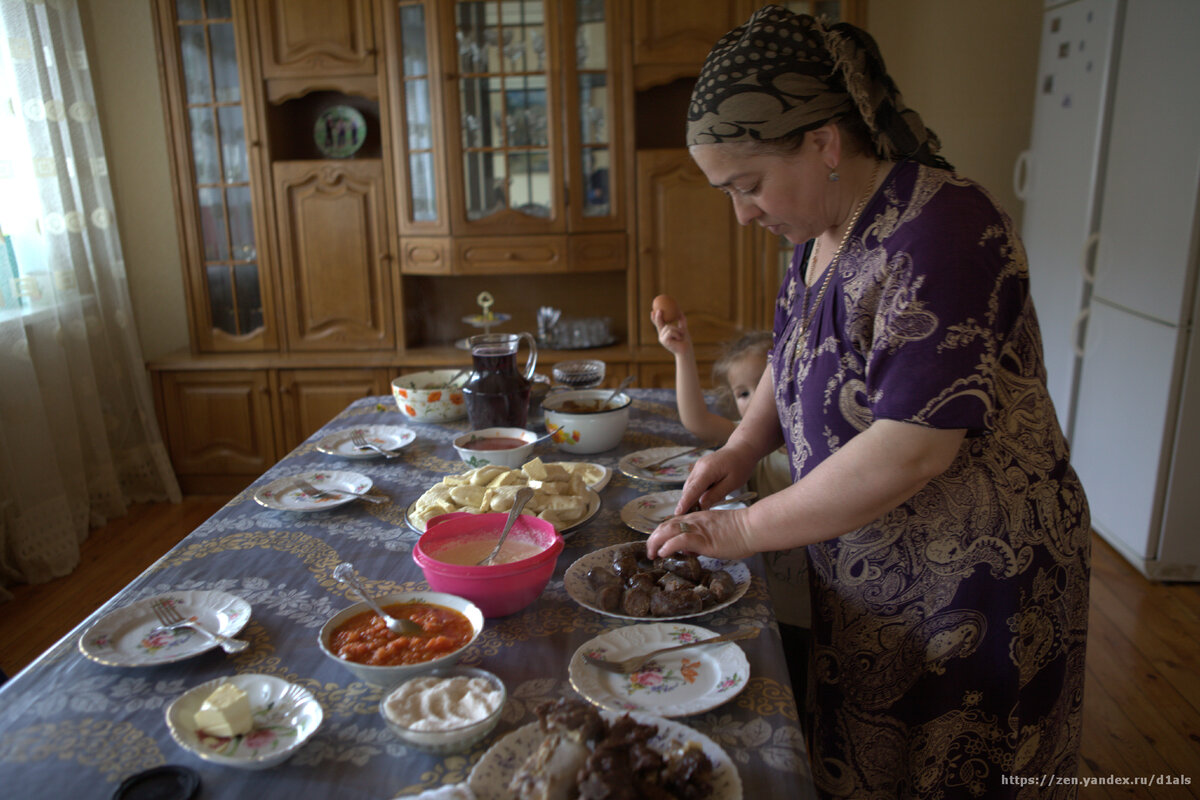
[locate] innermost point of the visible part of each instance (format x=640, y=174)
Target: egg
x=667, y=305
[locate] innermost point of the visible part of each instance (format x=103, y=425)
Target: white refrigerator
x=1111, y=182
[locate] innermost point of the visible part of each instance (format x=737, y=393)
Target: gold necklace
x=806, y=312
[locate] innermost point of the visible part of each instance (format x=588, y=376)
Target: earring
x=833, y=176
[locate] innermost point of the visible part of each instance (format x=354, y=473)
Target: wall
x=968, y=66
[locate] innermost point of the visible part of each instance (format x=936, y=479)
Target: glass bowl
x=580, y=374
x=453, y=738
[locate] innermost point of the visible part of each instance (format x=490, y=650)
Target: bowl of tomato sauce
x=357, y=638
x=507, y=447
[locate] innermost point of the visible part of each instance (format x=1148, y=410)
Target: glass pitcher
x=497, y=395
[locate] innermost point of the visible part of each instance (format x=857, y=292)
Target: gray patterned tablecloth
x=73, y=728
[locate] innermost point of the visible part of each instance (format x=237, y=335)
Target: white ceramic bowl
x=420, y=396
x=472, y=447
x=285, y=716
x=586, y=432
x=390, y=676
x=449, y=740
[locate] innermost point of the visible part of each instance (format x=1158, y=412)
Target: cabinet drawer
x=502, y=256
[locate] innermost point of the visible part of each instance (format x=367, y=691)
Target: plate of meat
x=619, y=581
x=576, y=750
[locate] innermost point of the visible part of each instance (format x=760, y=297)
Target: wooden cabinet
x=308, y=398
x=218, y=423
x=302, y=38
x=335, y=255
x=707, y=268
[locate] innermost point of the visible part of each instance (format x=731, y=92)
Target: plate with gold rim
x=128, y=636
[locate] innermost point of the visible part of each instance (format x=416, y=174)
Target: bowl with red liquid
x=505, y=447
x=452, y=545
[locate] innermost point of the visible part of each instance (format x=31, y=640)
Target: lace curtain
x=78, y=436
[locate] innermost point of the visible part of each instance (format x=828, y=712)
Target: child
x=738, y=370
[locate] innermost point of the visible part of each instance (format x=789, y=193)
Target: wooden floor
x=1141, y=704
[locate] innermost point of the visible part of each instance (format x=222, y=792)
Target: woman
x=947, y=534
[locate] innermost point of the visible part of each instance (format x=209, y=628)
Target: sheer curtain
x=78, y=436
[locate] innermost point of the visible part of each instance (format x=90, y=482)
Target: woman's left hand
x=720, y=534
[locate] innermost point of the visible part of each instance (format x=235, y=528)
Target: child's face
x=743, y=376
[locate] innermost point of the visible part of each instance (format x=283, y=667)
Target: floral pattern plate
x=644, y=513
x=123, y=638
x=575, y=582
x=490, y=778
x=672, y=472
x=284, y=716
x=387, y=437
x=671, y=685
x=282, y=494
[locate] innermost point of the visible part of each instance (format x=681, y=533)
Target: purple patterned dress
x=948, y=635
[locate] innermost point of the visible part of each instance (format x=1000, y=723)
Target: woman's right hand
x=716, y=475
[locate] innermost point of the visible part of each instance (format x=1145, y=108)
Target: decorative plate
x=339, y=131
x=284, y=715
x=388, y=437
x=123, y=638
x=593, y=501
x=575, y=582
x=644, y=513
x=672, y=472
x=282, y=494
x=596, y=483
x=671, y=685
x=490, y=778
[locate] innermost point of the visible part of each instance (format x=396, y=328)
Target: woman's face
x=785, y=193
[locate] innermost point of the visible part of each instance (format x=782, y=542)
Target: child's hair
x=752, y=343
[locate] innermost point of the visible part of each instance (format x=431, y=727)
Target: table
x=70, y=727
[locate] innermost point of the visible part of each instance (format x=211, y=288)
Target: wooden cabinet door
x=308, y=398
x=677, y=32
x=691, y=247
x=305, y=38
x=334, y=255
x=219, y=422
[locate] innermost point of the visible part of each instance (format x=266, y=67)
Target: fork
x=634, y=663
x=314, y=492
x=658, y=462
x=169, y=616
x=361, y=442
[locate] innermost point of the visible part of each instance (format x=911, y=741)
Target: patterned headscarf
x=782, y=73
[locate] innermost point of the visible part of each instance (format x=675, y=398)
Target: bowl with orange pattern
x=431, y=396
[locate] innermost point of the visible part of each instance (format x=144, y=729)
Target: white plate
x=575, y=582
x=644, y=513
x=490, y=778
x=282, y=494
x=671, y=685
x=284, y=714
x=122, y=638
x=388, y=437
x=593, y=507
x=672, y=472
x=597, y=484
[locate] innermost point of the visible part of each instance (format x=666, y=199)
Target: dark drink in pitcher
x=497, y=396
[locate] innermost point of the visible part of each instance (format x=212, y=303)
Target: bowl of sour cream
x=453, y=544
x=446, y=710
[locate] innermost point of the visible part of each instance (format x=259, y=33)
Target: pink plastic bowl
x=498, y=589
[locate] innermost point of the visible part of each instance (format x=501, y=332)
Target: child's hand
x=672, y=335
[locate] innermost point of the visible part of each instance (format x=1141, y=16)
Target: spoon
x=519, y=500
x=450, y=382
x=345, y=573
x=622, y=386
x=547, y=435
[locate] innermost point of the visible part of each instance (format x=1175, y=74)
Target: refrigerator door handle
x=1078, y=331
x=1021, y=175
x=1087, y=261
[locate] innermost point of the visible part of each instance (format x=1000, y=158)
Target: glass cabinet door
x=213, y=171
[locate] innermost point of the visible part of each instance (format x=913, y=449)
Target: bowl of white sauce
x=446, y=710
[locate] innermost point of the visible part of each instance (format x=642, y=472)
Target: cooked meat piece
x=550, y=771
x=624, y=564
x=640, y=580
x=684, y=565
x=706, y=596
x=721, y=585
x=599, y=577
x=688, y=773
x=670, y=582
x=636, y=602
x=574, y=718
x=609, y=598
x=673, y=604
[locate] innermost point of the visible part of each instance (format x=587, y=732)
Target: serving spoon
x=345, y=573
x=522, y=497
x=622, y=386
